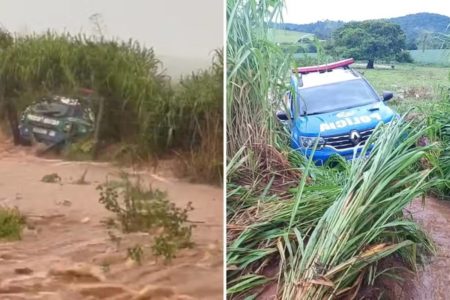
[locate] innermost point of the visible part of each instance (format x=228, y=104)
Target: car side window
x=77, y=112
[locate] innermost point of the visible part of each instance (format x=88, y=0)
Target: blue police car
x=334, y=107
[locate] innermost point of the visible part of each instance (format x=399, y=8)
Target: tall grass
x=366, y=222
x=326, y=239
x=257, y=69
x=141, y=107
x=439, y=120
x=198, y=101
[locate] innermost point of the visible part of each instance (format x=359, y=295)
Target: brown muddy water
x=433, y=280
x=67, y=253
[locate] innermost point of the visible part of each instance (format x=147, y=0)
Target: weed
x=136, y=253
x=105, y=268
x=139, y=209
x=11, y=223
x=51, y=178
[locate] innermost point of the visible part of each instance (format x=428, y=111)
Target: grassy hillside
x=288, y=36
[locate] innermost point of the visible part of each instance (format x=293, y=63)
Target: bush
x=139, y=209
x=404, y=57
x=11, y=223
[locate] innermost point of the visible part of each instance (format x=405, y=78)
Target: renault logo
x=355, y=137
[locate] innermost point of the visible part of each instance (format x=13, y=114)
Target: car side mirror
x=282, y=116
x=387, y=96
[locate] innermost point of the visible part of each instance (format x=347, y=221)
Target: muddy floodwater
x=433, y=281
x=67, y=253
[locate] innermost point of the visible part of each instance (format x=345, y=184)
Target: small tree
x=369, y=40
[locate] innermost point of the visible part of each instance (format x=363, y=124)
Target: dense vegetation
x=370, y=40
x=297, y=231
x=137, y=106
x=421, y=29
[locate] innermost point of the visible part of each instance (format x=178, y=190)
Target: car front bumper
x=321, y=156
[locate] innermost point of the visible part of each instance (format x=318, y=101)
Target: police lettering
x=345, y=122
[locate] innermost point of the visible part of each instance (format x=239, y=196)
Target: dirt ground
x=67, y=253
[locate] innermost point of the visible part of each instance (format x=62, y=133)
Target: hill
x=415, y=26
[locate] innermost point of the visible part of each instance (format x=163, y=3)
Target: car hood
x=342, y=121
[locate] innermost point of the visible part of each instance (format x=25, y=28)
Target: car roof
x=333, y=76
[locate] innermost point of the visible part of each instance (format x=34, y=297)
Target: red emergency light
x=323, y=68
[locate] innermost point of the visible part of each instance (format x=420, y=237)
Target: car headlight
x=309, y=142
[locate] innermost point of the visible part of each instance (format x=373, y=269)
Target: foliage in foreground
x=256, y=68
x=137, y=208
x=11, y=223
x=439, y=119
x=366, y=223
x=332, y=232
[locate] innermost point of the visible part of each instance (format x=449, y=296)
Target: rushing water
x=66, y=251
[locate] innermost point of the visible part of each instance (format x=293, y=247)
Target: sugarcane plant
x=366, y=223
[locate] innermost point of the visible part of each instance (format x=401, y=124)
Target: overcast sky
x=191, y=29
x=300, y=11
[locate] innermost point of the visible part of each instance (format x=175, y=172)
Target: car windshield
x=52, y=109
x=336, y=96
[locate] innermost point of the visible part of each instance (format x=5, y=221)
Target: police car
x=56, y=120
x=334, y=107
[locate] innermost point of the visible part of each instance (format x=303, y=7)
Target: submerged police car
x=56, y=120
x=334, y=107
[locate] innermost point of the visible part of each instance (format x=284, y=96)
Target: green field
x=287, y=36
x=431, y=56
x=414, y=87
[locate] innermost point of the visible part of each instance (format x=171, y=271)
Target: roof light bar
x=323, y=68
